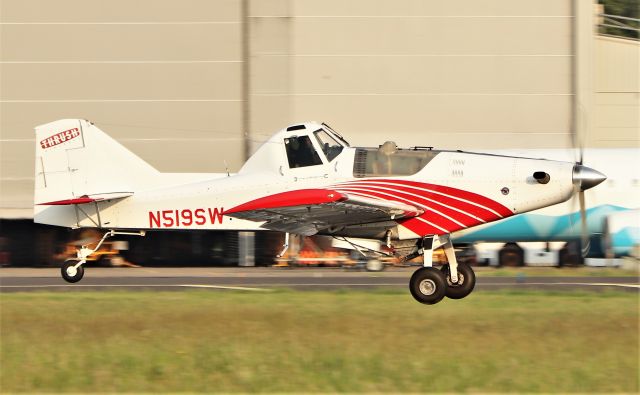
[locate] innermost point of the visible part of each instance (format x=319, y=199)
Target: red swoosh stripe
x=437, y=191
x=291, y=198
x=420, y=228
x=448, y=209
x=473, y=210
x=451, y=210
x=429, y=215
x=460, y=193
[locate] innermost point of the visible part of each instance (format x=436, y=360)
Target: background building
x=193, y=84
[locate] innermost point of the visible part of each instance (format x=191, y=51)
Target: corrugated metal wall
x=617, y=93
x=162, y=77
x=165, y=78
x=456, y=73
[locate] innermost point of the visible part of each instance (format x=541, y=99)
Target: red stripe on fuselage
x=429, y=214
x=436, y=192
x=460, y=193
x=465, y=218
x=419, y=227
x=468, y=207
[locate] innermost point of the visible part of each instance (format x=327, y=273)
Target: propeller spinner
x=585, y=177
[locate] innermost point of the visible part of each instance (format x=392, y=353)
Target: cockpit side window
x=330, y=146
x=300, y=152
x=390, y=161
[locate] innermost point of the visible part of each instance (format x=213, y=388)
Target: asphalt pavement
x=261, y=279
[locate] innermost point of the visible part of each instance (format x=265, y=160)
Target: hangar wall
x=162, y=77
x=180, y=82
x=617, y=93
x=456, y=73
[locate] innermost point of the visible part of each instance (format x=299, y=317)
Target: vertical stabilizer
x=76, y=161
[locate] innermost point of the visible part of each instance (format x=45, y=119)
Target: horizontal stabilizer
x=87, y=199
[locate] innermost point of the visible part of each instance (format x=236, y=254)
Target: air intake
x=541, y=177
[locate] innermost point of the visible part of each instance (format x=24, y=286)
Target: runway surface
x=263, y=279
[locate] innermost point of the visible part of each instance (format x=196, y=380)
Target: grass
x=287, y=341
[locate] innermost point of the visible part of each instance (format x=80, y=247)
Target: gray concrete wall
x=167, y=78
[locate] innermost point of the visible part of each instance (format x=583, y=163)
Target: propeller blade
x=574, y=208
x=581, y=155
x=578, y=134
x=583, y=176
x=585, y=238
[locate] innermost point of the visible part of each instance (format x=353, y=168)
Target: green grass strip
x=346, y=341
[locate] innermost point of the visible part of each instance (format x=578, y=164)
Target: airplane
x=304, y=180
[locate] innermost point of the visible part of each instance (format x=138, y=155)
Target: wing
x=308, y=211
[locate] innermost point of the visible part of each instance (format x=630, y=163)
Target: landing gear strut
x=455, y=281
x=72, y=269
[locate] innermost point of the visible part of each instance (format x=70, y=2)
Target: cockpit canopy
x=301, y=151
x=314, y=144
x=305, y=145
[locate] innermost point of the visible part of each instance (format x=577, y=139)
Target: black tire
x=71, y=277
x=511, y=255
x=570, y=255
x=466, y=281
x=428, y=285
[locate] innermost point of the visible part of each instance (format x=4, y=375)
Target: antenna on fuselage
x=226, y=167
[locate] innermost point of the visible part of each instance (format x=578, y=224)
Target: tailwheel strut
x=72, y=269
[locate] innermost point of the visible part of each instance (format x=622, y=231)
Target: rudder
x=77, y=162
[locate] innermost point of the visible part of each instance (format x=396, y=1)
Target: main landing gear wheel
x=70, y=273
x=465, y=284
x=428, y=285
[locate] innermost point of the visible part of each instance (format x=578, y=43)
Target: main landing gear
x=455, y=280
x=72, y=269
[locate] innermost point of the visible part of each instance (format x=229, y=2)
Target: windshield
x=336, y=134
x=300, y=152
x=329, y=145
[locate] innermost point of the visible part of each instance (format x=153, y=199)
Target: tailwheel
x=428, y=285
x=70, y=272
x=465, y=284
